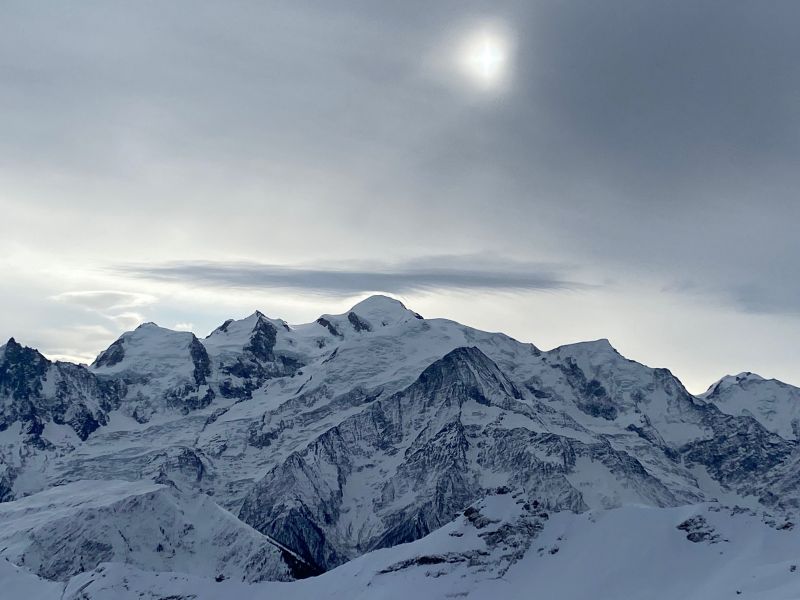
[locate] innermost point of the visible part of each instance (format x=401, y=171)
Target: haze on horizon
x=556, y=171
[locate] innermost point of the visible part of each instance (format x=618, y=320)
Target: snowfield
x=69, y=529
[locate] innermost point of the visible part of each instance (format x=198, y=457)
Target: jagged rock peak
x=11, y=343
x=13, y=350
x=469, y=365
x=250, y=323
x=21, y=371
x=259, y=319
x=235, y=333
x=13, y=346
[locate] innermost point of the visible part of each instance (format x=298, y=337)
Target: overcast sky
x=619, y=169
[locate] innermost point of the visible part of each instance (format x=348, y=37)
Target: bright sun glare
x=483, y=58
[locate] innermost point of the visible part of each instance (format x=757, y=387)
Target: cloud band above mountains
x=460, y=273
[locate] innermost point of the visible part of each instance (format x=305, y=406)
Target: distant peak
x=150, y=329
x=379, y=301
x=13, y=349
x=593, y=347
x=744, y=376
x=729, y=381
x=13, y=344
x=748, y=375
x=382, y=308
x=468, y=363
x=467, y=353
x=258, y=321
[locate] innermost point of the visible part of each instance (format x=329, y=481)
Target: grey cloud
x=751, y=293
x=767, y=299
x=103, y=300
x=687, y=88
x=428, y=273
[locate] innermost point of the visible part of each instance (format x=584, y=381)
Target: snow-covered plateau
x=379, y=454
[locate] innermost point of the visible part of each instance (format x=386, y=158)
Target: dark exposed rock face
x=329, y=326
x=380, y=428
x=262, y=342
x=593, y=397
x=202, y=364
x=440, y=456
x=111, y=356
x=738, y=448
x=257, y=363
x=35, y=391
x=358, y=323
x=184, y=468
x=7, y=475
x=22, y=371
x=698, y=530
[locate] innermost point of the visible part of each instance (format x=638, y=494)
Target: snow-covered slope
x=501, y=547
x=70, y=529
x=344, y=439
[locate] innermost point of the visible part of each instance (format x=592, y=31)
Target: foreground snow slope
x=69, y=529
x=625, y=554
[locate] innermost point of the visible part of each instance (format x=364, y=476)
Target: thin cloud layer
x=424, y=274
x=106, y=300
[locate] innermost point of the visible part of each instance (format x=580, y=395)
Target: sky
x=559, y=171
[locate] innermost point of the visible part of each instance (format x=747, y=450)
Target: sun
x=483, y=58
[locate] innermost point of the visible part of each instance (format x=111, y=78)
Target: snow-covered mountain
x=161, y=369
x=357, y=439
x=774, y=404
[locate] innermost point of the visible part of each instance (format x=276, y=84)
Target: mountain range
x=376, y=454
